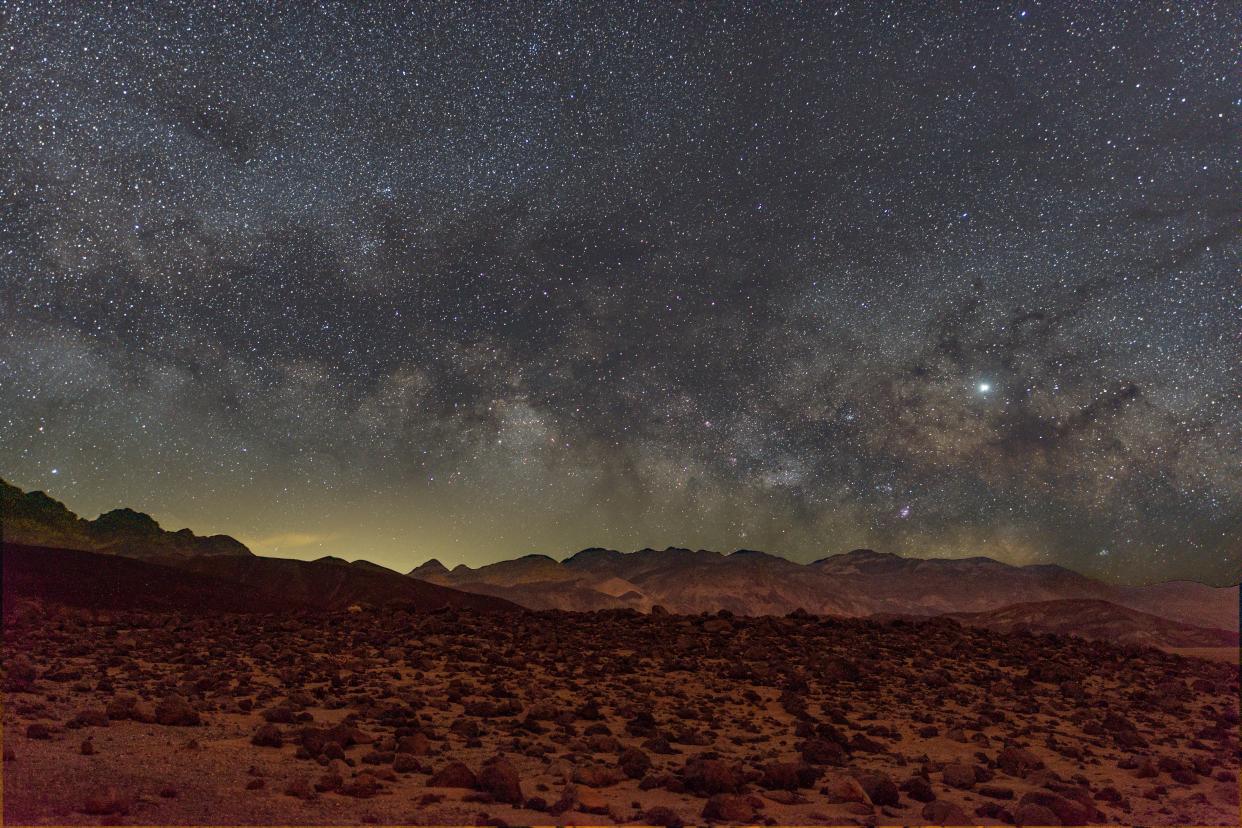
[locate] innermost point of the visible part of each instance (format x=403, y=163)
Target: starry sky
x=473, y=281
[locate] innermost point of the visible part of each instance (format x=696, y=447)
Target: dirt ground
x=601, y=718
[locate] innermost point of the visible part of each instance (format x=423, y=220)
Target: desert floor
x=601, y=718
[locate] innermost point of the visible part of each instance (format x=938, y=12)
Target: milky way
x=475, y=282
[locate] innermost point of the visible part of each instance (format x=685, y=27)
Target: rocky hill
x=35, y=519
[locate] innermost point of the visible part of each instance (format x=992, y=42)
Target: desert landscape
x=147, y=688
x=620, y=413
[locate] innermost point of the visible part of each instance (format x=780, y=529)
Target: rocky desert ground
x=468, y=717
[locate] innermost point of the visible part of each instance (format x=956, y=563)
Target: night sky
x=477, y=282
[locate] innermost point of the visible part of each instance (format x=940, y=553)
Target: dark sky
x=476, y=282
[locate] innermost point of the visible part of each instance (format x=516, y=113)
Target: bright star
x=985, y=387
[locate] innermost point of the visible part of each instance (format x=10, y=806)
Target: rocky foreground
x=534, y=718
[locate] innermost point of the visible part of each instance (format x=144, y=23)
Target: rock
x=659, y=745
x=565, y=802
x=1031, y=814
x=500, y=779
x=330, y=781
x=996, y=792
x=785, y=797
x=87, y=748
x=1184, y=776
x=992, y=810
x=1068, y=811
x=660, y=815
x=880, y=788
x=89, y=717
x=174, y=711
x=712, y=776
x=1018, y=762
x=453, y=775
x=634, y=763
x=786, y=776
x=728, y=808
x=919, y=789
x=406, y=763
x=959, y=775
x=121, y=706
x=279, y=715
x=38, y=730
x=20, y=674
x=823, y=752
x=941, y=812
x=1170, y=764
x=416, y=744
x=268, y=735
x=864, y=744
x=363, y=786
x=590, y=802
x=839, y=787
x=300, y=788
x=595, y=775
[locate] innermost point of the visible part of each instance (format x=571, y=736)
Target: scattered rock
x=268, y=735
x=174, y=711
x=660, y=815
x=941, y=812
x=728, y=808
x=453, y=775
x=500, y=779
x=959, y=775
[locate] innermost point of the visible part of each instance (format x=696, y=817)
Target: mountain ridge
x=860, y=582
x=36, y=519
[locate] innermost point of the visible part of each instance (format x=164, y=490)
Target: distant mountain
x=35, y=519
x=219, y=583
x=858, y=583
x=1099, y=620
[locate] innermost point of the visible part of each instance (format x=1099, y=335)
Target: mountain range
x=858, y=583
x=124, y=560
x=34, y=518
